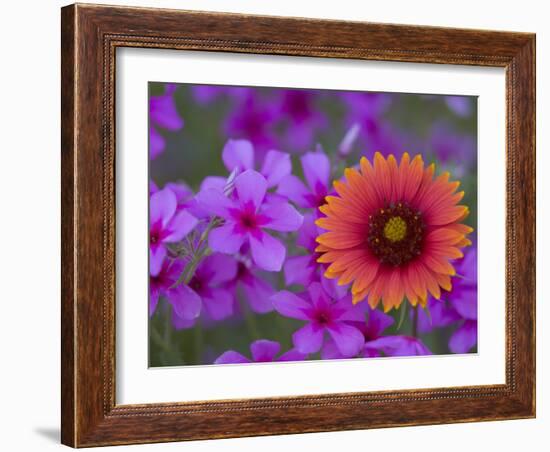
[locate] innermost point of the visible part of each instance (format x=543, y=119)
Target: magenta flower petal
x=182, y=324
x=299, y=270
x=291, y=305
x=238, y=154
x=267, y=252
x=318, y=296
x=162, y=206
x=378, y=322
x=349, y=311
x=185, y=301
x=370, y=352
x=156, y=143
x=231, y=357
x=225, y=240
x=334, y=290
x=294, y=189
x=282, y=217
x=466, y=303
x=160, y=283
x=216, y=182
x=153, y=300
x=264, y=350
x=276, y=166
x=181, y=190
x=460, y=105
x=292, y=355
x=251, y=187
x=180, y=226
x=215, y=202
x=308, y=339
x=330, y=351
x=162, y=111
x=464, y=338
x=308, y=232
x=440, y=315
x=348, y=339
x=258, y=293
x=156, y=257
x=221, y=268
x=316, y=167
x=218, y=303
x=399, y=346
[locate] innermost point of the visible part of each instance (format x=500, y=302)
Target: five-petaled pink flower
x=166, y=225
x=246, y=216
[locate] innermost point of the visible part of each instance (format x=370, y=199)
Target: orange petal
x=444, y=281
x=340, y=240
x=360, y=296
x=366, y=275
x=447, y=235
x=348, y=259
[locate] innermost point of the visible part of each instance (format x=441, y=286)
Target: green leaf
x=428, y=313
x=402, y=313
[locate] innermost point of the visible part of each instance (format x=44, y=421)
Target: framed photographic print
x=282, y=225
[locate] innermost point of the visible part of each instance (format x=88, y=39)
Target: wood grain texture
x=90, y=36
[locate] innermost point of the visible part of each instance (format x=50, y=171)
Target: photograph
x=291, y=224
x=283, y=222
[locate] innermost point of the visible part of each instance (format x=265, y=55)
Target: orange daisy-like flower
x=392, y=231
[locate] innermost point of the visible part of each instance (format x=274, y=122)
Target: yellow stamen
x=395, y=229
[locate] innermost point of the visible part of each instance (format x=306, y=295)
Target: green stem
x=250, y=321
x=159, y=340
x=198, y=340
x=415, y=322
x=200, y=252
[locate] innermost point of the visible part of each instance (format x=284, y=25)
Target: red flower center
x=323, y=317
x=196, y=284
x=154, y=237
x=249, y=220
x=395, y=234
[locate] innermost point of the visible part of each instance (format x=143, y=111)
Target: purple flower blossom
x=256, y=289
x=153, y=188
x=206, y=94
x=184, y=307
x=375, y=343
x=239, y=155
x=246, y=217
x=459, y=307
x=367, y=112
x=164, y=115
x=304, y=269
x=161, y=283
x=460, y=105
x=463, y=299
x=209, y=286
x=253, y=119
x=262, y=351
x=397, y=346
x=377, y=322
x=453, y=148
x=166, y=225
x=323, y=314
x=316, y=167
x=441, y=314
x=183, y=193
x=299, y=110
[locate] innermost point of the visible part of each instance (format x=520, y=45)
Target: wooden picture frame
x=90, y=36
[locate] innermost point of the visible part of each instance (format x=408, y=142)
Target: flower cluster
x=290, y=250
